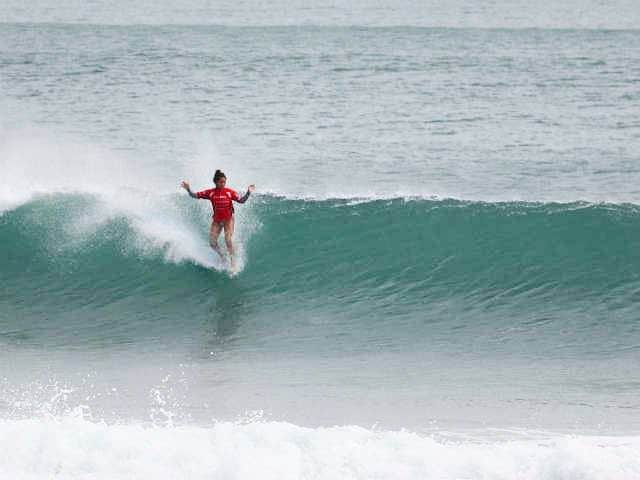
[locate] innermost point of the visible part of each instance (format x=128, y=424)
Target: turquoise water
x=439, y=269
x=418, y=264
x=419, y=285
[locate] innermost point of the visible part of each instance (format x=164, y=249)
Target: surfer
x=222, y=199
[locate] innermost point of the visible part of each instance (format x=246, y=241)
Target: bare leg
x=228, y=238
x=213, y=238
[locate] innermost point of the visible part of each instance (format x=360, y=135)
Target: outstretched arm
x=187, y=187
x=245, y=197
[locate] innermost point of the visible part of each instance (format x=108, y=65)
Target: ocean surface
x=440, y=267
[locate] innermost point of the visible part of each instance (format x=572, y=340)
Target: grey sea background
x=439, y=269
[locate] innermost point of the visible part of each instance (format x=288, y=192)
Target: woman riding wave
x=222, y=199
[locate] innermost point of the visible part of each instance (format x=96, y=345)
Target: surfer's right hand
x=185, y=185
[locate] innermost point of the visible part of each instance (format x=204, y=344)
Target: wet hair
x=218, y=175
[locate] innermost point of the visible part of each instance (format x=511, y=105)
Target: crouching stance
x=222, y=199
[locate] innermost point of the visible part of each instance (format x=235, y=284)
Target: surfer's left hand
x=251, y=188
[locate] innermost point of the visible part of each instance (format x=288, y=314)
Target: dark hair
x=218, y=175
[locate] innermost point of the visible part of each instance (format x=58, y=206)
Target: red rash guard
x=221, y=201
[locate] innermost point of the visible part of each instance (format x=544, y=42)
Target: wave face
x=398, y=264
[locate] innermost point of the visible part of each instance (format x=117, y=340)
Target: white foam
x=74, y=448
x=36, y=163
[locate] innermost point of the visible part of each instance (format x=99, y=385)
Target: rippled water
x=444, y=240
